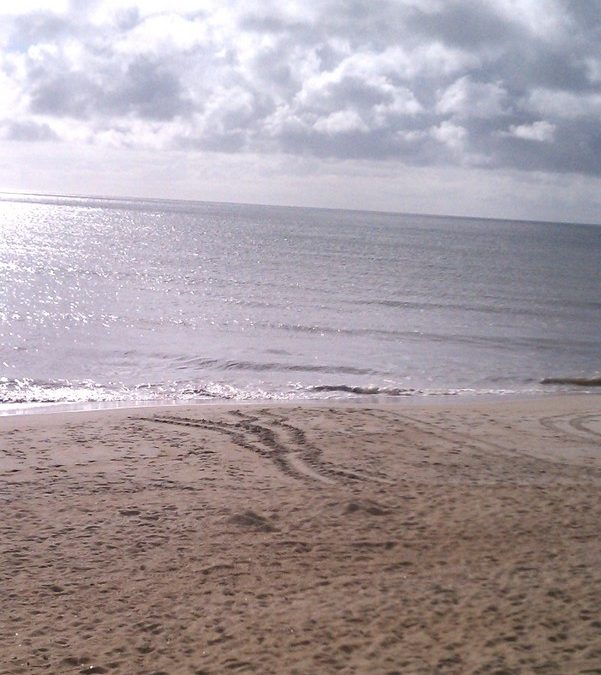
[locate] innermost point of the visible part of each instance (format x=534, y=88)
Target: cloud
x=466, y=98
x=28, y=131
x=541, y=131
x=450, y=134
x=565, y=104
x=341, y=122
x=502, y=84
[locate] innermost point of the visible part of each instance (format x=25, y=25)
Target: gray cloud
x=28, y=131
x=68, y=94
x=37, y=27
x=143, y=88
x=467, y=25
x=147, y=90
x=425, y=82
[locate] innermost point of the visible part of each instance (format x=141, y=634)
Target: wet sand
x=460, y=538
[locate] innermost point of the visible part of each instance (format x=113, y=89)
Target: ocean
x=131, y=300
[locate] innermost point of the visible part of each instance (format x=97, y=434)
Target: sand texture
x=441, y=539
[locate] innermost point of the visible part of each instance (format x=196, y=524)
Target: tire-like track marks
x=577, y=427
x=294, y=458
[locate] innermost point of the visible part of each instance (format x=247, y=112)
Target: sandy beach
x=440, y=538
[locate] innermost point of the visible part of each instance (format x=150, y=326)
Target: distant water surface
x=133, y=300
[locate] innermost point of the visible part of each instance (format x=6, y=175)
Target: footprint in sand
x=366, y=506
x=250, y=519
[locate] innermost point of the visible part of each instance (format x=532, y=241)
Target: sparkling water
x=133, y=300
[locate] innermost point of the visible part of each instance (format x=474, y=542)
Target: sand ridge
x=307, y=539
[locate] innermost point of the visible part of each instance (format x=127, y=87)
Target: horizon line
x=16, y=193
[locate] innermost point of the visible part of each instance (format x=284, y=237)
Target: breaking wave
x=368, y=391
x=25, y=393
x=574, y=381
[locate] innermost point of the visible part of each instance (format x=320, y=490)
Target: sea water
x=154, y=300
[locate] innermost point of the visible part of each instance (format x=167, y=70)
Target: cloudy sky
x=442, y=106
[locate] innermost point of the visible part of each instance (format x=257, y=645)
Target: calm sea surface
x=123, y=300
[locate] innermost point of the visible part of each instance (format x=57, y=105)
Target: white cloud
x=284, y=121
x=10, y=95
x=403, y=102
x=423, y=83
x=435, y=59
x=450, y=134
x=546, y=19
x=466, y=98
x=564, y=104
x=163, y=33
x=541, y=131
x=341, y=122
x=27, y=6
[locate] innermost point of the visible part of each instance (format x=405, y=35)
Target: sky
x=458, y=107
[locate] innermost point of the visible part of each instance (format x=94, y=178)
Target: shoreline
x=459, y=537
x=50, y=408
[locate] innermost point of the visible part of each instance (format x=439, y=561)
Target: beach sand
x=447, y=538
